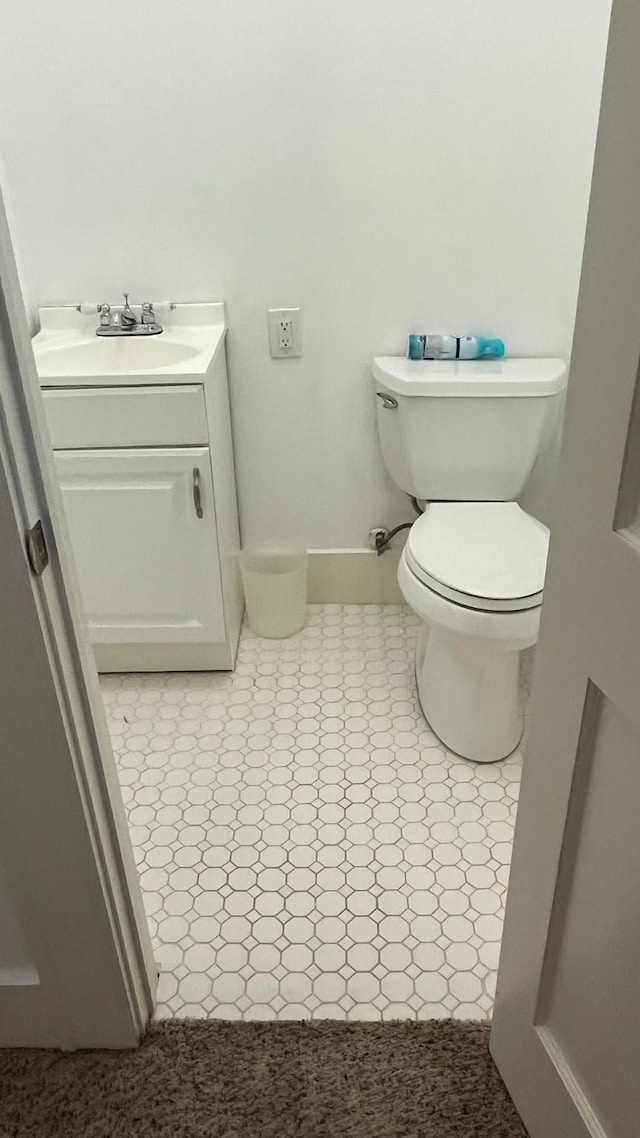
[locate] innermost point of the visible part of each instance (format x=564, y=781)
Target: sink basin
x=113, y=356
x=68, y=352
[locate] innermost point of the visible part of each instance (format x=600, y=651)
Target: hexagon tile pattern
x=306, y=845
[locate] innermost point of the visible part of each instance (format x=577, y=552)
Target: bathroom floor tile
x=307, y=847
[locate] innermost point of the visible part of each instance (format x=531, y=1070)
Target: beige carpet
x=207, y=1079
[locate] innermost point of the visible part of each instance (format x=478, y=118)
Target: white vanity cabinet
x=147, y=480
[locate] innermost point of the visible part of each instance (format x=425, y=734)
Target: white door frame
x=64, y=843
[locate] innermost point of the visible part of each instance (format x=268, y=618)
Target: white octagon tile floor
x=306, y=845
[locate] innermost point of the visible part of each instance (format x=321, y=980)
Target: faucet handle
x=105, y=314
x=148, y=315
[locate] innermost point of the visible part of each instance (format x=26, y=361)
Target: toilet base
x=469, y=691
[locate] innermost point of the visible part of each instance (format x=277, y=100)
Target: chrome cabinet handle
x=197, y=493
x=388, y=402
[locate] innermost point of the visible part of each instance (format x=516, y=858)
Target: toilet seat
x=487, y=556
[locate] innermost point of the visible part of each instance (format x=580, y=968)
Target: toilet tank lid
x=471, y=378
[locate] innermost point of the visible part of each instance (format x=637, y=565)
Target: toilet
x=462, y=437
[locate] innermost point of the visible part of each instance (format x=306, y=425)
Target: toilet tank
x=464, y=430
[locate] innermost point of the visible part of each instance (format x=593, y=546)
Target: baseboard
x=217, y=657
x=353, y=577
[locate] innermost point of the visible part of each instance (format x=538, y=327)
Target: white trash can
x=275, y=591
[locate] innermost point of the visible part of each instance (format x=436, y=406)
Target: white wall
x=386, y=164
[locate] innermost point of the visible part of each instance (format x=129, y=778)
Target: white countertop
x=68, y=353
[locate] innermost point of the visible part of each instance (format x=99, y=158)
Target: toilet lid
x=485, y=555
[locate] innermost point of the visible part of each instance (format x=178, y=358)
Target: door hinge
x=37, y=551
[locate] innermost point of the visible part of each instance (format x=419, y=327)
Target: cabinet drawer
x=93, y=417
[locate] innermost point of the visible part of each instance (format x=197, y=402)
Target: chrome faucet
x=124, y=322
x=127, y=316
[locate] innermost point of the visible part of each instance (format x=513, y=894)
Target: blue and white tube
x=436, y=347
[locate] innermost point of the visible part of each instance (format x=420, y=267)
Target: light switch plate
x=285, y=333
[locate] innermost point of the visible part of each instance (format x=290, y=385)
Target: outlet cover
x=285, y=333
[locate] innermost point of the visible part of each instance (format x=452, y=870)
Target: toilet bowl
x=474, y=574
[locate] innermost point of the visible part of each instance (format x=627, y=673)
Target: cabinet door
x=148, y=565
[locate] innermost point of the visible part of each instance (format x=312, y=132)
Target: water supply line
x=382, y=537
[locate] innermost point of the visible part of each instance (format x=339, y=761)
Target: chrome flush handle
x=197, y=493
x=388, y=402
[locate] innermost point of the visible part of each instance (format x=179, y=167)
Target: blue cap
x=490, y=349
x=415, y=348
